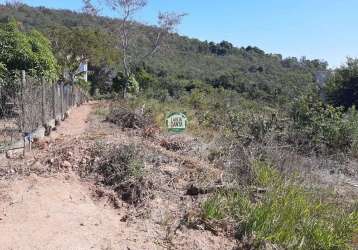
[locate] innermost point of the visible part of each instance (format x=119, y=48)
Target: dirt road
x=60, y=211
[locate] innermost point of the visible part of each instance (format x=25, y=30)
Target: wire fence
x=27, y=104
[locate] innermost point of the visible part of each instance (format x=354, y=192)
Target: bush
x=117, y=164
x=286, y=214
x=226, y=205
x=126, y=118
x=342, y=87
x=159, y=94
x=255, y=126
x=316, y=124
x=26, y=51
x=120, y=168
x=352, y=117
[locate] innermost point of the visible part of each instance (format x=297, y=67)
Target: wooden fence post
x=73, y=94
x=43, y=102
x=23, y=84
x=61, y=100
x=22, y=105
x=53, y=85
x=70, y=94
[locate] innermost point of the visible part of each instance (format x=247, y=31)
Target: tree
x=14, y=3
x=89, y=9
x=101, y=77
x=167, y=22
x=22, y=51
x=74, y=46
x=26, y=51
x=342, y=88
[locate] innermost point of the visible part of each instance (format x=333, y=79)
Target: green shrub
x=30, y=51
x=342, y=87
x=287, y=214
x=225, y=205
x=198, y=99
x=352, y=117
x=266, y=175
x=320, y=125
x=157, y=94
x=256, y=125
x=133, y=85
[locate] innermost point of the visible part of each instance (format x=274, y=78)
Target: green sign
x=176, y=122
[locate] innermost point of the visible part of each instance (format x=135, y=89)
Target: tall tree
x=126, y=10
x=81, y=45
x=89, y=9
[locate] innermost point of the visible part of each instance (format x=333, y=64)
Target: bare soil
x=46, y=204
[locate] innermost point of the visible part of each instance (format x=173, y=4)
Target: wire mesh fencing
x=27, y=104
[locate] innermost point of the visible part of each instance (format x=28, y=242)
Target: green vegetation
x=306, y=123
x=287, y=214
x=20, y=50
x=76, y=45
x=183, y=63
x=2, y=70
x=31, y=51
x=261, y=106
x=342, y=89
x=321, y=125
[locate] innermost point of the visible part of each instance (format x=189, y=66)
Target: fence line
x=27, y=104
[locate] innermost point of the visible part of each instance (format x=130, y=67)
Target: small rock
x=51, y=161
x=124, y=218
x=9, y=155
x=33, y=175
x=193, y=190
x=66, y=164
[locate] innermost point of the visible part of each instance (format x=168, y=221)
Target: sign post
x=176, y=122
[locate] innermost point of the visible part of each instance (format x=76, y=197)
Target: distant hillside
x=246, y=70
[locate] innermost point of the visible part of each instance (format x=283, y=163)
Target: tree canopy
x=342, y=89
x=77, y=45
x=29, y=51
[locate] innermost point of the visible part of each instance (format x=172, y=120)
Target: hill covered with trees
x=181, y=64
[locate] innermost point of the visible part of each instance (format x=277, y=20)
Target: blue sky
x=324, y=29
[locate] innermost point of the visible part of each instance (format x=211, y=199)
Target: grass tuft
x=287, y=214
